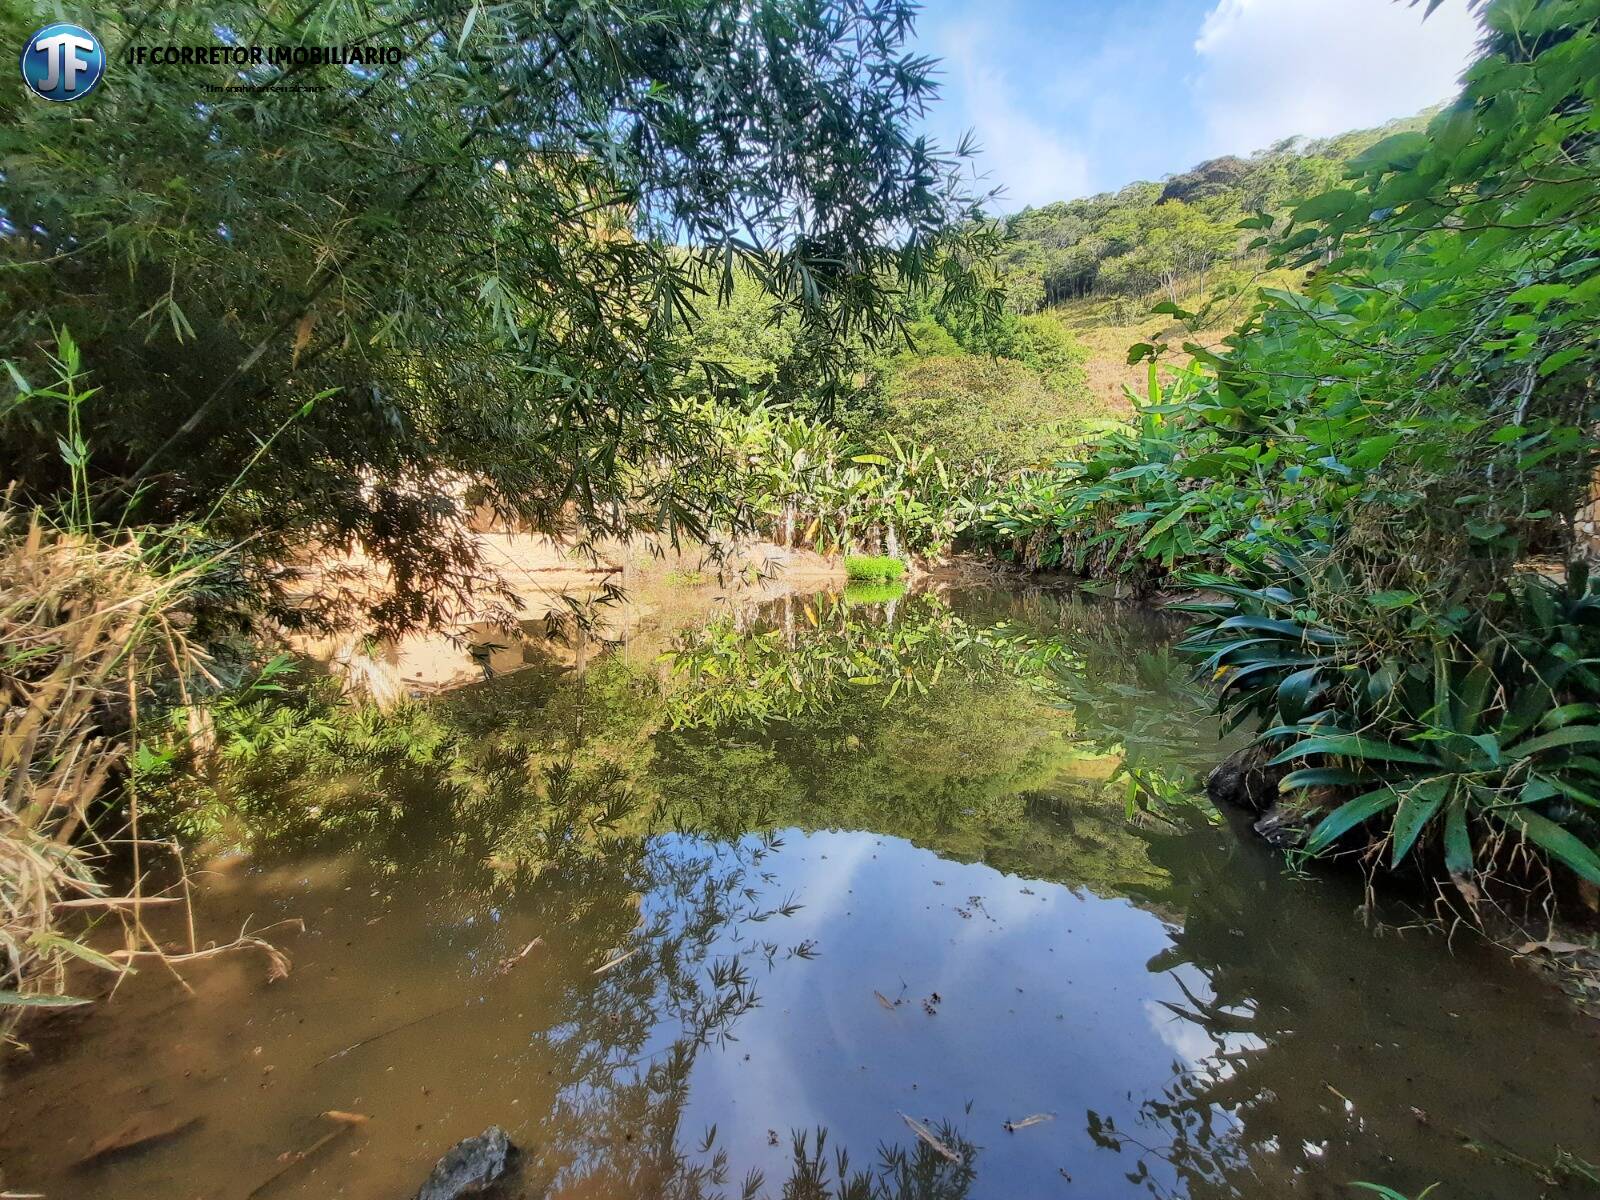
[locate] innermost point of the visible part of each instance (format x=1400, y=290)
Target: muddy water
x=849, y=877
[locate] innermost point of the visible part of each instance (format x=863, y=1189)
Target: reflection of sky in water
x=1046, y=1006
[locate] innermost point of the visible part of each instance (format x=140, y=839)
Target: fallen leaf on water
x=884, y=1000
x=1552, y=947
x=1034, y=1119
x=618, y=961
x=144, y=1130
x=507, y=963
x=926, y=1134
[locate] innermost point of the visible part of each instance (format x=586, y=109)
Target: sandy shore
x=565, y=605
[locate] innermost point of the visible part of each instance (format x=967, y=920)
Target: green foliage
x=873, y=593
x=1166, y=244
x=1361, y=469
x=1449, y=742
x=280, y=731
x=1149, y=237
x=873, y=568
x=1005, y=388
x=1127, y=507
x=726, y=674
x=480, y=257
x=976, y=409
x=805, y=482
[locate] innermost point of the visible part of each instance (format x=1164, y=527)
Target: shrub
x=1455, y=734
x=980, y=408
x=872, y=568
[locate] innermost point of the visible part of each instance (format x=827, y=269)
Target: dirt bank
x=565, y=603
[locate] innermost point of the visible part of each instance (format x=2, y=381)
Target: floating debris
x=618, y=961
x=1034, y=1119
x=926, y=1134
x=507, y=963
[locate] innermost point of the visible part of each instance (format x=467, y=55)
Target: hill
x=1100, y=263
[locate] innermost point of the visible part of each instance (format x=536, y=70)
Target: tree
x=972, y=408
x=469, y=264
x=1168, y=244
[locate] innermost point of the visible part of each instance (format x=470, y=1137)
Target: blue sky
x=1073, y=97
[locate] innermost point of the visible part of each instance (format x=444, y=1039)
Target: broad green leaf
x=1568, y=735
x=1318, y=777
x=1457, y=841
x=1294, y=693
x=19, y=1000
x=1394, y=599
x=1398, y=152
x=1354, y=745
x=1416, y=809
x=1347, y=816
x=1326, y=207
x=1553, y=839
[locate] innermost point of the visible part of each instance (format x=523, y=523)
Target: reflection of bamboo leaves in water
x=925, y=1172
x=724, y=675
x=1136, y=699
x=616, y=1121
x=615, y=1127
x=1112, y=670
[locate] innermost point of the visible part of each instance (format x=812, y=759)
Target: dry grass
x=84, y=626
x=1107, y=326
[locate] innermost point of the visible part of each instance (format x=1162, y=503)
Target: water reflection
x=837, y=901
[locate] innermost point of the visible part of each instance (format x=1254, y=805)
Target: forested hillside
x=1173, y=236
x=1079, y=282
x=1100, y=264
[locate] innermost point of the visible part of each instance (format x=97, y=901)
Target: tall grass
x=873, y=568
x=84, y=626
x=93, y=615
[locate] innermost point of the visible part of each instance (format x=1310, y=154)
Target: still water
x=861, y=896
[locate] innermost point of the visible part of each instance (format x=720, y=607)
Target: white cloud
x=1269, y=69
x=1033, y=162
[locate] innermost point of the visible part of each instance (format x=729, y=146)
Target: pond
x=865, y=895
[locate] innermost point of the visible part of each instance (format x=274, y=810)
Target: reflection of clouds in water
x=822, y=885
x=1209, y=1055
x=1193, y=1046
x=1043, y=995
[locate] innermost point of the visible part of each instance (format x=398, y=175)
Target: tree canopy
x=469, y=264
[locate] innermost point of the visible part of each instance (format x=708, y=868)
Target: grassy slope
x=1106, y=326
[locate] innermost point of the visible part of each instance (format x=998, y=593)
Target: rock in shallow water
x=471, y=1167
x=1246, y=780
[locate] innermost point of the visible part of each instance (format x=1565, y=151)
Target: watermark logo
x=63, y=62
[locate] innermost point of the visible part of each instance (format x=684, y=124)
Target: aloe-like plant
x=1457, y=739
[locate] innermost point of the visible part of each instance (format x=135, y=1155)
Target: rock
x=1281, y=827
x=472, y=1167
x=1245, y=780
x=1211, y=178
x=1288, y=824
